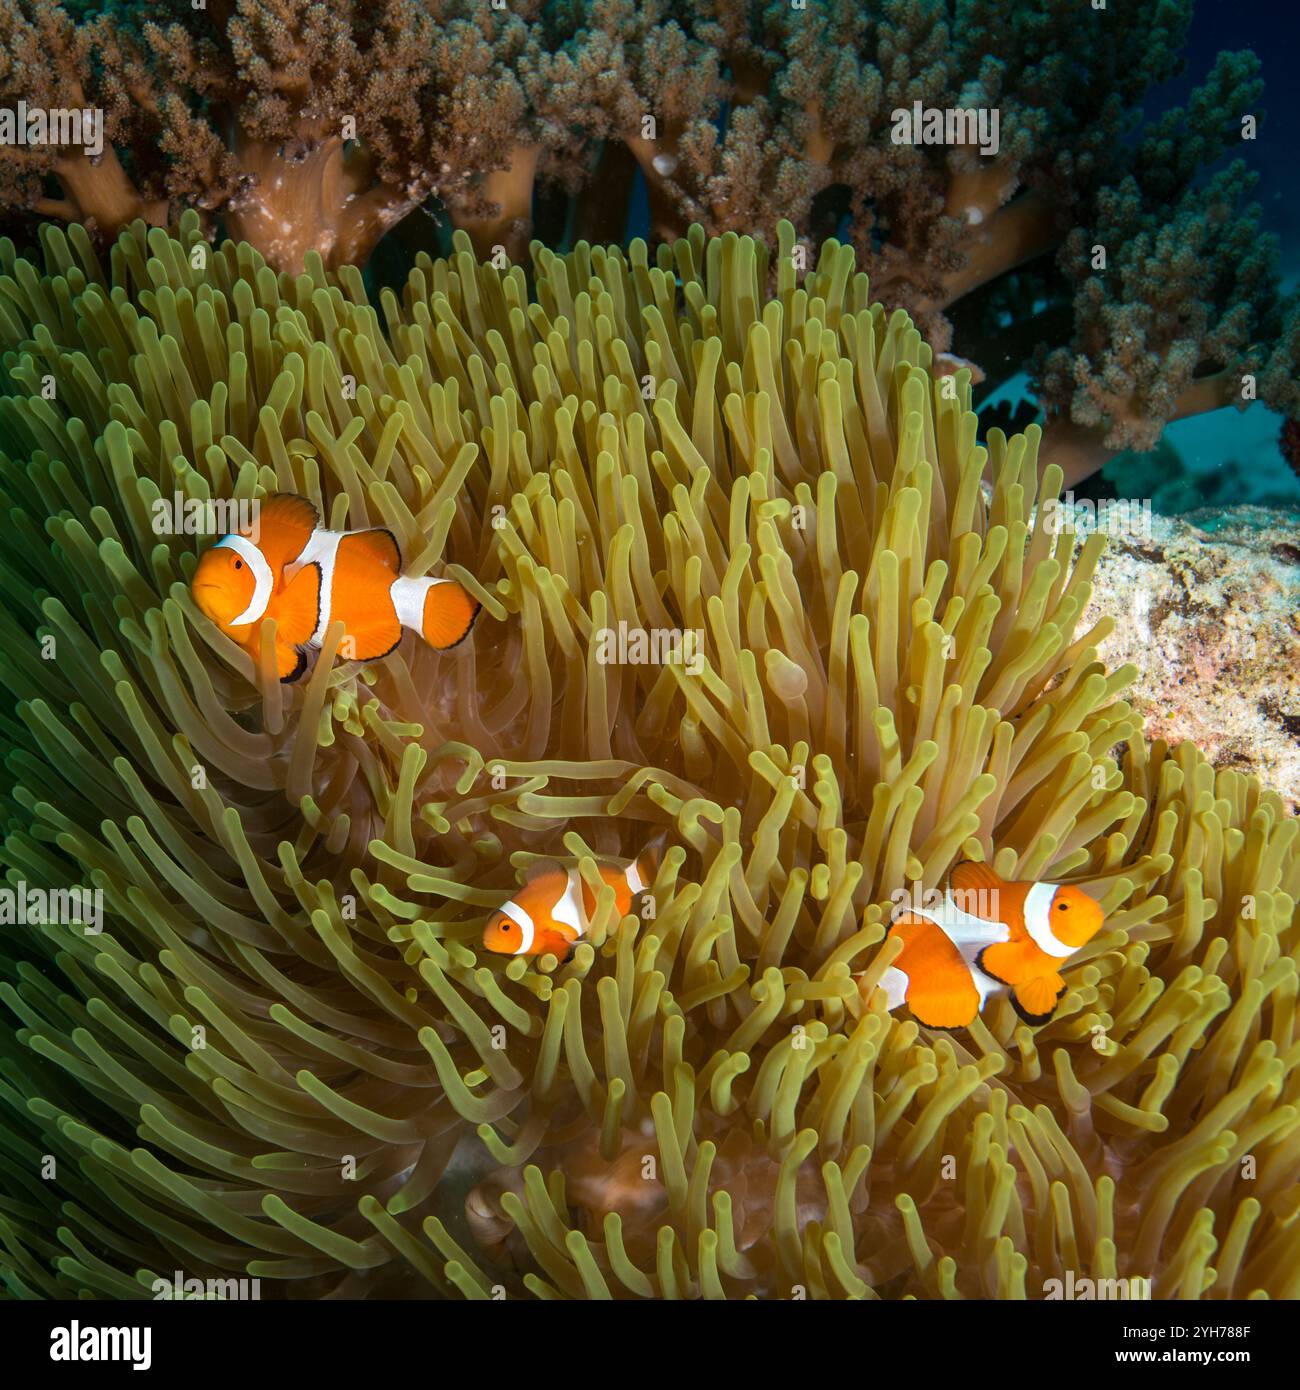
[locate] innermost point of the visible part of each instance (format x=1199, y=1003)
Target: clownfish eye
x=1062, y=907
x=239, y=564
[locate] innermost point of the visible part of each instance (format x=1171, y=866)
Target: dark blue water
x=1230, y=457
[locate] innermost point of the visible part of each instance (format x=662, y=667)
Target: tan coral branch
x=511, y=190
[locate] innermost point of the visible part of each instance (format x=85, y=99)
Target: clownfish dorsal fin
x=652, y=855
x=971, y=876
x=381, y=545
x=647, y=866
x=287, y=509
x=978, y=890
x=284, y=524
x=537, y=869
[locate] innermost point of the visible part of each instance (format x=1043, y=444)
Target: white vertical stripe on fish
x=568, y=907
x=263, y=581
x=1038, y=921
x=322, y=549
x=524, y=923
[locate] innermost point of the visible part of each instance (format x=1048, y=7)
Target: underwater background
x=639, y=324
x=1224, y=459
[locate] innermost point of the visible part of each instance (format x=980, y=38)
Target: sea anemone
x=286, y=1054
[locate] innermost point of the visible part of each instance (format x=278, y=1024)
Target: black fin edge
x=396, y=546
x=942, y=1027
x=979, y=961
x=379, y=656
x=320, y=594
x=947, y=878
x=1036, y=1020
x=295, y=497
x=297, y=670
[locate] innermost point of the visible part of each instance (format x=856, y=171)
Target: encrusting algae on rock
x=288, y=1044
x=1211, y=620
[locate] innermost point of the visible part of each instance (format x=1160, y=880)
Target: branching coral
x=809, y=134
x=286, y=1055
x=47, y=62
x=1183, y=316
x=302, y=127
x=305, y=126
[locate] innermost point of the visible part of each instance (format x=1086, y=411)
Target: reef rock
x=1207, y=607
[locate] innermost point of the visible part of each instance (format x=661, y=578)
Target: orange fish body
x=554, y=910
x=987, y=934
x=304, y=577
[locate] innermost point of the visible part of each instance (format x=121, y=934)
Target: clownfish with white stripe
x=553, y=911
x=304, y=576
x=1017, y=937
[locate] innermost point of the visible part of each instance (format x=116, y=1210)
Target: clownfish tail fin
x=440, y=610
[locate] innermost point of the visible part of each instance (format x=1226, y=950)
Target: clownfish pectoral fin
x=1036, y=1000
x=557, y=945
x=296, y=608
x=1008, y=962
x=940, y=990
x=290, y=663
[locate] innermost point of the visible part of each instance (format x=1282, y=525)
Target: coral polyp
x=287, y=1054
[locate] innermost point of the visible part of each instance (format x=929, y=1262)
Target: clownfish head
x=228, y=582
x=507, y=936
x=1074, y=917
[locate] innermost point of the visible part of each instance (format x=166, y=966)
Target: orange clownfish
x=303, y=576
x=1016, y=937
x=554, y=909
